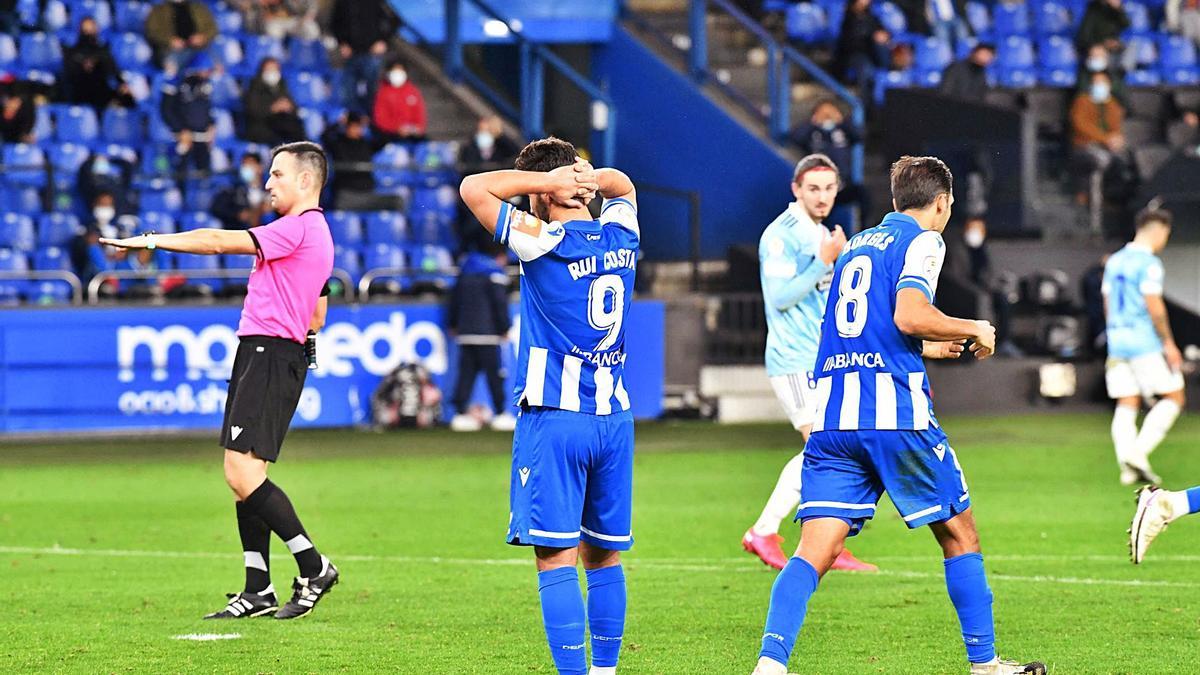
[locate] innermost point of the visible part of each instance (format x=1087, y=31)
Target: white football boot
x=1154, y=511
x=998, y=667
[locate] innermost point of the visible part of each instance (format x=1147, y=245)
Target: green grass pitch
x=110, y=548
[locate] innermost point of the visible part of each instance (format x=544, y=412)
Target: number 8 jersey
x=869, y=374
x=576, y=288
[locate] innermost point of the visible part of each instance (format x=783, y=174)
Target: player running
x=874, y=428
x=1143, y=359
x=796, y=255
x=572, y=470
x=1157, y=508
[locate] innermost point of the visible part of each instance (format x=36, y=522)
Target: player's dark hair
x=813, y=161
x=1152, y=215
x=309, y=155
x=546, y=154
x=917, y=181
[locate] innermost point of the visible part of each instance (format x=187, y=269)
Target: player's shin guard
x=1158, y=422
x=563, y=616
x=789, y=603
x=606, y=613
x=256, y=548
x=967, y=584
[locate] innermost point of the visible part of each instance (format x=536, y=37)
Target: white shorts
x=1146, y=375
x=798, y=395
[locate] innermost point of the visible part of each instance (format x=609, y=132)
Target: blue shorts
x=846, y=472
x=572, y=480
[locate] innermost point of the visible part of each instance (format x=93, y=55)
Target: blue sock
x=606, y=613
x=1193, y=499
x=967, y=583
x=789, y=602
x=562, y=613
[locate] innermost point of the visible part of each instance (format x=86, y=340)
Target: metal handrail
x=53, y=275
x=93, y=286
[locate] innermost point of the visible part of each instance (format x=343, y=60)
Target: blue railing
x=534, y=57
x=781, y=59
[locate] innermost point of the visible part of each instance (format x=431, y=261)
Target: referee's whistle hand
x=128, y=242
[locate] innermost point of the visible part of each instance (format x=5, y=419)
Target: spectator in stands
x=101, y=174
x=269, y=111
x=351, y=153
x=828, y=133
x=178, y=30
x=1183, y=17
x=88, y=257
x=280, y=18
x=10, y=19
x=1002, y=295
x=945, y=19
x=241, y=206
x=861, y=49
x=90, y=75
x=362, y=29
x=1099, y=145
x=187, y=111
x=1100, y=61
x=902, y=57
x=1102, y=23
x=477, y=316
x=399, y=112
x=489, y=149
x=1191, y=120
x=967, y=79
x=17, y=118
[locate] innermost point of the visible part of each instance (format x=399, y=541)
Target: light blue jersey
x=795, y=285
x=1129, y=276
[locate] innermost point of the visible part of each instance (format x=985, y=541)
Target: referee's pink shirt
x=295, y=258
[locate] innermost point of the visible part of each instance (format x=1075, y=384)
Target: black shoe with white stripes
x=245, y=605
x=309, y=591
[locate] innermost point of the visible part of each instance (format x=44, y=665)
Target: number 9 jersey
x=869, y=374
x=576, y=288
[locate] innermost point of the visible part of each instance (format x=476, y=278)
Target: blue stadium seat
x=16, y=232
x=1052, y=18
x=226, y=92
x=255, y=48
x=1016, y=78
x=29, y=12
x=805, y=22
x=223, y=129
x=1177, y=60
x=835, y=10
x=162, y=196
x=40, y=51
x=76, y=124
x=132, y=52
x=10, y=289
x=347, y=259
x=97, y=9
x=1010, y=19
x=345, y=227
x=24, y=200
x=154, y=221
x=8, y=51
x=130, y=15
x=429, y=264
x=159, y=131
x=1058, y=61
x=393, y=167
x=195, y=220
x=43, y=122
x=441, y=202
x=979, y=18
x=124, y=126
x=55, y=16
x=309, y=90
x=156, y=160
x=1143, y=78
x=1139, y=19
x=45, y=291
x=314, y=122
x=931, y=54
x=386, y=227
x=65, y=159
x=307, y=55
x=891, y=17
x=379, y=256
x=24, y=165
x=893, y=79
x=927, y=78
x=1015, y=52
x=1143, y=50
x=229, y=20
x=237, y=261
x=195, y=263
x=198, y=195
x=227, y=51
x=52, y=258
x=57, y=229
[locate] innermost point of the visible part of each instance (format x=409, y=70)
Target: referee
x=294, y=258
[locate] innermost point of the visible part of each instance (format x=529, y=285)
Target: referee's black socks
x=274, y=507
x=256, y=548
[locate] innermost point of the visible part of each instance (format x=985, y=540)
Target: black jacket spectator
x=101, y=174
x=241, y=205
x=351, y=154
x=836, y=143
x=361, y=23
x=967, y=79
x=269, y=110
x=187, y=104
x=90, y=75
x=16, y=119
x=488, y=150
x=1102, y=23
x=478, y=304
x=858, y=44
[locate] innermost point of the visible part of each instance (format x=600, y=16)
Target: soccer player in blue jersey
x=796, y=254
x=1143, y=359
x=874, y=428
x=572, y=470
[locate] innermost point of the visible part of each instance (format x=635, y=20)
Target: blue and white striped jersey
x=1129, y=276
x=869, y=374
x=576, y=288
x=795, y=285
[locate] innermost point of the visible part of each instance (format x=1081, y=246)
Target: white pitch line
x=207, y=637
x=724, y=565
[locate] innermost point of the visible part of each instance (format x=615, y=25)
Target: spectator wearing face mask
x=280, y=18
x=351, y=153
x=828, y=133
x=967, y=79
x=1183, y=17
x=1100, y=61
x=101, y=173
x=87, y=255
x=186, y=108
x=90, y=75
x=1099, y=146
x=268, y=108
x=178, y=30
x=241, y=206
x=981, y=273
x=1103, y=22
x=489, y=149
x=362, y=29
x=399, y=112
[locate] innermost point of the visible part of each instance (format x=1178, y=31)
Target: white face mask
x=1100, y=92
x=397, y=78
x=1097, y=64
x=484, y=140
x=973, y=238
x=271, y=77
x=104, y=214
x=247, y=175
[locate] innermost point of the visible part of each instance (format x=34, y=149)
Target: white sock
x=784, y=499
x=1124, y=431
x=1179, y=504
x=1156, y=425
x=603, y=670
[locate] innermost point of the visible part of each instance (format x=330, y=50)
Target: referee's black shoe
x=246, y=605
x=308, y=592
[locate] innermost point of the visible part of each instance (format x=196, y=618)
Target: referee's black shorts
x=268, y=376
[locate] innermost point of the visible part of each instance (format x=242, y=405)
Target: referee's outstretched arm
x=207, y=241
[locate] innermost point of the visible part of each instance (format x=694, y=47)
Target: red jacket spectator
x=399, y=106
